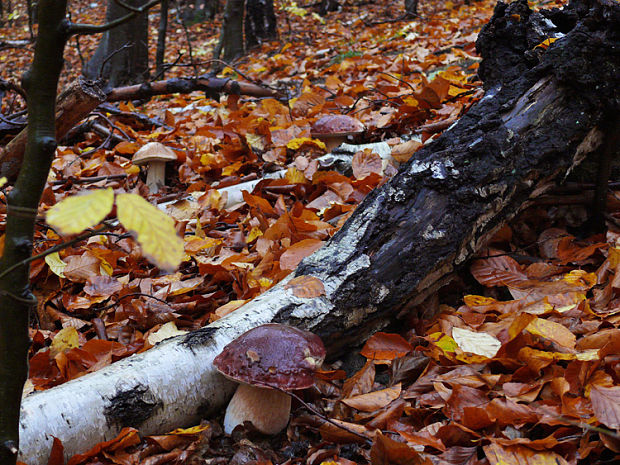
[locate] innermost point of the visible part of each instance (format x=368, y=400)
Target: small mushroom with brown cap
x=155, y=156
x=333, y=130
x=266, y=361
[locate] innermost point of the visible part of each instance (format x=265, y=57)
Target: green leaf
x=74, y=214
x=153, y=229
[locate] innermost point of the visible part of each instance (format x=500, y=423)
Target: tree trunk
x=231, y=37
x=16, y=300
x=260, y=22
x=122, y=54
x=411, y=7
x=400, y=245
x=161, y=39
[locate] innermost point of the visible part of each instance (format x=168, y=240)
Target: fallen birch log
x=398, y=247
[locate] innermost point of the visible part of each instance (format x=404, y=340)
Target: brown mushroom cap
x=336, y=125
x=272, y=355
x=153, y=151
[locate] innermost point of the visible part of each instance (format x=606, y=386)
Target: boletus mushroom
x=333, y=130
x=154, y=155
x=266, y=361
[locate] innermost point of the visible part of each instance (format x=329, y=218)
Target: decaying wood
x=402, y=242
x=75, y=103
x=81, y=97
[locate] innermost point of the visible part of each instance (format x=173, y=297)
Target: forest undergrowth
x=517, y=361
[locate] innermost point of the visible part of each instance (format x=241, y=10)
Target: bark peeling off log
x=398, y=246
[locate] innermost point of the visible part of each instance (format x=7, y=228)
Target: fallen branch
x=400, y=245
x=81, y=97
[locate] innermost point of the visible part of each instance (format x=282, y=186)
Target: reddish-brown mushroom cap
x=273, y=355
x=266, y=361
x=334, y=129
x=336, y=125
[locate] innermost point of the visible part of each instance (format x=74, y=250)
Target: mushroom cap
x=153, y=151
x=336, y=125
x=272, y=355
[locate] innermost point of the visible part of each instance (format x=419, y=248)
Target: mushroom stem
x=267, y=409
x=155, y=175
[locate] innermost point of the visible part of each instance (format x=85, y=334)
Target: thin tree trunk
x=122, y=54
x=161, y=39
x=16, y=300
x=231, y=38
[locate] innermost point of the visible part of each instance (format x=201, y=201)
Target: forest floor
x=519, y=363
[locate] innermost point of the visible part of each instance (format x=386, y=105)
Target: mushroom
x=154, y=155
x=334, y=129
x=267, y=361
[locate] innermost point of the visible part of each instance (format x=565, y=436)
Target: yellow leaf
x=74, y=214
x=166, y=331
x=444, y=342
x=56, y=264
x=254, y=234
x=293, y=175
x=153, y=229
x=64, y=340
x=556, y=332
x=190, y=431
x=3, y=181
x=296, y=143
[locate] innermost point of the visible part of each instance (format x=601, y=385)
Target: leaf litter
x=521, y=368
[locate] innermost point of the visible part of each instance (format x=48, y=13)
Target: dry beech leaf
x=475, y=342
x=497, y=270
x=373, y=400
x=166, y=331
x=385, y=346
x=520, y=455
x=306, y=287
x=402, y=152
x=81, y=267
x=297, y=252
x=65, y=339
x=386, y=451
x=553, y=331
x=365, y=163
x=606, y=404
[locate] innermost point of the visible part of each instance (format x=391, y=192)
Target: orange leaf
x=385, y=346
x=306, y=287
x=520, y=455
x=297, y=252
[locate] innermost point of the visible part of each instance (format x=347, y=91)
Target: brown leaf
x=306, y=287
x=386, y=451
x=385, y=346
x=373, y=400
x=606, y=404
x=297, y=252
x=497, y=270
x=365, y=163
x=81, y=267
